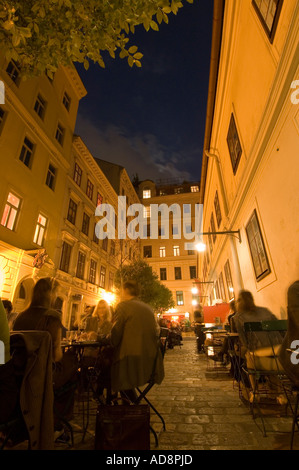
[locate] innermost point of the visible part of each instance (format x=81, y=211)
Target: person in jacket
x=135, y=338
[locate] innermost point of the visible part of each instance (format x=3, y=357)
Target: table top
x=80, y=343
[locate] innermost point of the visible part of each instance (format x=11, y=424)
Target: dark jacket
x=135, y=338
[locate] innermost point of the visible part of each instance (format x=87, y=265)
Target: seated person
x=260, y=343
x=288, y=359
x=135, y=339
x=41, y=316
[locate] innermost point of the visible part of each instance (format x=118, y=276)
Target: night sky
x=151, y=120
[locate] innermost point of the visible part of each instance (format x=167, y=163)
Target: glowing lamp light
x=201, y=247
x=174, y=318
x=109, y=297
x=194, y=290
x=194, y=302
x=187, y=315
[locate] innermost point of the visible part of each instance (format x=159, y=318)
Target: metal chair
x=266, y=376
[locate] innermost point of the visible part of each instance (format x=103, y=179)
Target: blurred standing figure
x=11, y=316
x=101, y=320
x=136, y=341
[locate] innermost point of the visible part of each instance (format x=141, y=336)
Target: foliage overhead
x=152, y=291
x=40, y=35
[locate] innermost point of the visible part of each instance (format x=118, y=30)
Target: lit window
x=176, y=251
x=147, y=194
x=40, y=106
x=27, y=152
x=179, y=298
x=80, y=265
x=102, y=277
x=162, y=251
x=146, y=212
x=60, y=132
x=194, y=189
x=11, y=211
x=99, y=199
x=66, y=101
x=229, y=282
x=92, y=271
x=51, y=175
x=40, y=230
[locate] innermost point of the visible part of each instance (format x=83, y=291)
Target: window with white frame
x=11, y=211
x=40, y=229
x=147, y=193
x=176, y=251
x=162, y=251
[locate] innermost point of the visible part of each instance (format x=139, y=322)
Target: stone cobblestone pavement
x=202, y=410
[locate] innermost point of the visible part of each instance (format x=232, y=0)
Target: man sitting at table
x=135, y=338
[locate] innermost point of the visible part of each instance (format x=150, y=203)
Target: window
x=111, y=281
x=191, y=252
x=40, y=230
x=77, y=174
x=27, y=152
x=194, y=189
x=234, y=145
x=85, y=224
x=146, y=212
x=66, y=101
x=102, y=277
x=112, y=248
x=179, y=298
x=105, y=244
x=80, y=265
x=213, y=228
x=40, y=106
x=217, y=209
x=72, y=212
x=178, y=190
x=11, y=211
x=177, y=273
x=92, y=271
x=163, y=274
x=59, y=136
x=89, y=189
x=95, y=238
x=257, y=248
x=162, y=251
x=229, y=282
x=192, y=270
x=176, y=251
x=2, y=117
x=268, y=12
x=13, y=70
x=99, y=199
x=147, y=194
x=147, y=251
x=51, y=175
x=221, y=287
x=65, y=257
